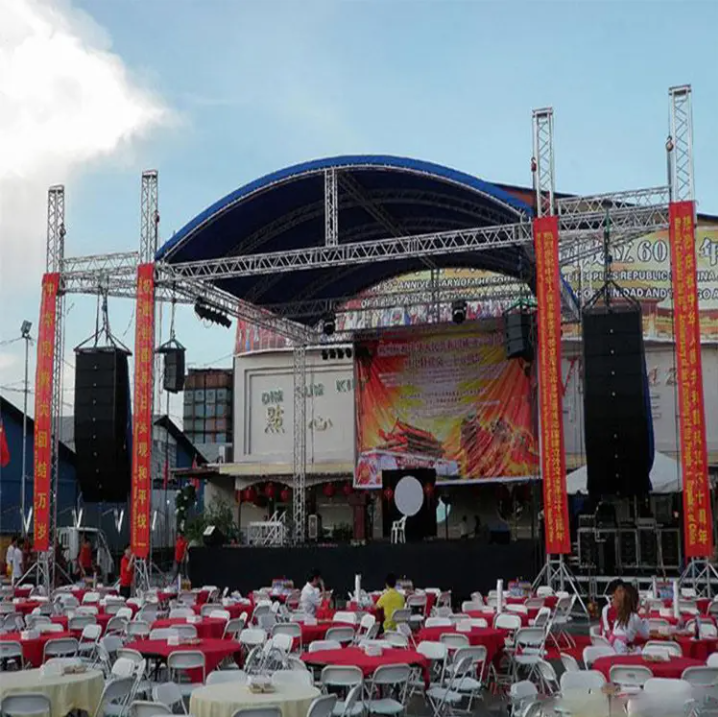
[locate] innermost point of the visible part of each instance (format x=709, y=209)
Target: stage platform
x=461, y=566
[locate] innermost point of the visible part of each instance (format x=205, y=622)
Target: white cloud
x=65, y=101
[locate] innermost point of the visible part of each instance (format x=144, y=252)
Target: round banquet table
x=223, y=700
x=208, y=627
x=214, y=652
x=672, y=669
x=67, y=693
x=310, y=633
x=366, y=663
x=234, y=611
x=696, y=649
x=33, y=649
x=491, y=639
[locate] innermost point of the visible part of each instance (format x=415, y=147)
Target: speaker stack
x=617, y=422
x=102, y=424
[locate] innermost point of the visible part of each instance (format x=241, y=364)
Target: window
x=210, y=410
x=199, y=426
x=188, y=396
x=199, y=396
x=199, y=410
x=222, y=438
x=210, y=425
x=221, y=409
x=222, y=395
x=211, y=395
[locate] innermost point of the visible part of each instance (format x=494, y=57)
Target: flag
x=195, y=481
x=167, y=474
x=4, y=450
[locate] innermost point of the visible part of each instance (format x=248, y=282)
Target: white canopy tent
x=665, y=476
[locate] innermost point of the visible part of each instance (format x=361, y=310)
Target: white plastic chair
x=583, y=680
x=218, y=677
x=169, y=693
x=322, y=706
x=319, y=645
x=186, y=632
x=388, y=679
x=163, y=633
x=137, y=629
x=182, y=660
x=11, y=651
x=292, y=677
x=61, y=647
x=437, y=622
x=398, y=530
x=454, y=640
x=660, y=648
x=221, y=614
x=569, y=662
x=663, y=698
x=145, y=708
x=345, y=617
x=704, y=681
x=181, y=612
x=630, y=678
x=259, y=712
x=343, y=635
x=522, y=694
x=593, y=652
x=26, y=705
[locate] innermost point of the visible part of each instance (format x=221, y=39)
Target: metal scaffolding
x=581, y=222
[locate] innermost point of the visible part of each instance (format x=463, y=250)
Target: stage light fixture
x=25, y=329
x=211, y=313
x=325, y=355
x=329, y=324
x=669, y=144
x=458, y=311
x=332, y=353
x=348, y=353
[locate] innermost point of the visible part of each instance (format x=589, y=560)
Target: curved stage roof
x=379, y=197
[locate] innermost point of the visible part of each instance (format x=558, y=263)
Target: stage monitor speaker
x=410, y=493
x=617, y=421
x=102, y=424
x=173, y=374
x=213, y=536
x=519, y=334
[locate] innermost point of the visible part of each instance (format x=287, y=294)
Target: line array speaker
x=618, y=427
x=173, y=374
x=102, y=424
x=518, y=334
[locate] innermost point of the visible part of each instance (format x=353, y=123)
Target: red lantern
x=269, y=490
x=388, y=495
x=285, y=495
x=428, y=489
x=250, y=494
x=328, y=489
x=347, y=489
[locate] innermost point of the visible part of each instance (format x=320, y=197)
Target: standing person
x=127, y=572
x=84, y=560
x=17, y=556
x=312, y=594
x=390, y=601
x=180, y=554
x=9, y=556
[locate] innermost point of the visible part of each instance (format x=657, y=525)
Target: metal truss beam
x=299, y=482
x=542, y=163
x=331, y=208
x=680, y=157
x=149, y=216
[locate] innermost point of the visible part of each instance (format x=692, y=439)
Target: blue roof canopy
x=379, y=196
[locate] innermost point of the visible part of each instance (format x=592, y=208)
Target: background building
x=208, y=409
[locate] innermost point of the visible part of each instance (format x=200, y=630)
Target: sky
x=214, y=93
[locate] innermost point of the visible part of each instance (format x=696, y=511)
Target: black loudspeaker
x=617, y=421
x=173, y=380
x=213, y=536
x=102, y=424
x=519, y=334
x=410, y=493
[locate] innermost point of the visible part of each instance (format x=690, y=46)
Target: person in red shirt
x=180, y=554
x=127, y=572
x=85, y=558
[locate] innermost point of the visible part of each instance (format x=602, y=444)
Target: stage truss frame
x=633, y=213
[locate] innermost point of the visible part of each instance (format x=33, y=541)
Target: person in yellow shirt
x=390, y=601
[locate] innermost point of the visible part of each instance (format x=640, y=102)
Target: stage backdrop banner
x=698, y=521
x=553, y=459
x=142, y=435
x=444, y=398
x=44, y=379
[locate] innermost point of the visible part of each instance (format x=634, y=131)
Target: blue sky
x=247, y=87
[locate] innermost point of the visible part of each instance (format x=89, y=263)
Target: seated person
x=390, y=601
x=628, y=626
x=609, y=612
x=312, y=594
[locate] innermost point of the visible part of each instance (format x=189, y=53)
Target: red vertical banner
x=697, y=513
x=42, y=439
x=553, y=460
x=142, y=423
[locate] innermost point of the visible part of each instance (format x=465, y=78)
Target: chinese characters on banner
x=553, y=462
x=142, y=424
x=698, y=521
x=44, y=376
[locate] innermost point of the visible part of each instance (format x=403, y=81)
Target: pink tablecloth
x=671, y=669
x=214, y=652
x=32, y=650
x=491, y=639
x=209, y=627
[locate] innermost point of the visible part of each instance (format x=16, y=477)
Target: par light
x=211, y=313
x=329, y=324
x=458, y=311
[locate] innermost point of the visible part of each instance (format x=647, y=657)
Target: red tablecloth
x=214, y=652
x=358, y=658
x=209, y=627
x=685, y=617
x=234, y=611
x=32, y=650
x=701, y=603
x=310, y=633
x=696, y=649
x=489, y=616
x=492, y=640
x=672, y=669
x=25, y=607
x=22, y=592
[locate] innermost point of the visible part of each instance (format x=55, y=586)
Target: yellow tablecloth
x=223, y=700
x=65, y=692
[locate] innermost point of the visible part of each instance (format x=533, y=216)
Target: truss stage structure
x=632, y=213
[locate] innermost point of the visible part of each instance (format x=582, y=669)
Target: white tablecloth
x=66, y=692
x=224, y=700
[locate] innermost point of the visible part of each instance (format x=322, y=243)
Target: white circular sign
x=409, y=496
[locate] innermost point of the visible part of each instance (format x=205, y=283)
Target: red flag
x=195, y=481
x=4, y=450
x=167, y=474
